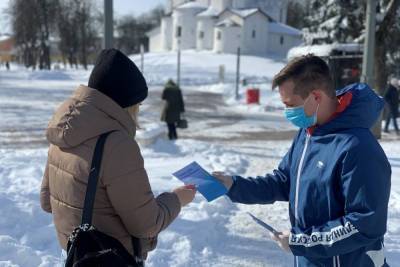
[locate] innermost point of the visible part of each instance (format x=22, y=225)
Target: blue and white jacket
x=337, y=183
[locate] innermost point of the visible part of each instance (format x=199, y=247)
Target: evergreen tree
x=295, y=15
x=331, y=21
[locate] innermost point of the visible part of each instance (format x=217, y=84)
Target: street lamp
x=108, y=24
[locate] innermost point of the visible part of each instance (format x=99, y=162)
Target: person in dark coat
x=392, y=99
x=173, y=107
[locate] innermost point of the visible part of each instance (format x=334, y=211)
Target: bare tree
x=87, y=34
x=25, y=28
x=32, y=33
x=76, y=23
x=67, y=24
x=132, y=30
x=46, y=23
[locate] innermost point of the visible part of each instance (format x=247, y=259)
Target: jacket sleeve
x=365, y=184
x=264, y=190
x=45, y=191
x=129, y=191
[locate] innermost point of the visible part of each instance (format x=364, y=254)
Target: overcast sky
x=121, y=8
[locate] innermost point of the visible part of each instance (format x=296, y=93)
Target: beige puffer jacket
x=125, y=205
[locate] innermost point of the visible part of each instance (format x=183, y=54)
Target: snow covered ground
x=222, y=136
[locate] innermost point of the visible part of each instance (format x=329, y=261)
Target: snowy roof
x=210, y=12
x=192, y=5
x=244, y=13
x=227, y=23
x=277, y=27
x=323, y=50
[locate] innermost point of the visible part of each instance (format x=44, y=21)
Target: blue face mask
x=298, y=117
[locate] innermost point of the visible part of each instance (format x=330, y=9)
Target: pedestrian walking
x=392, y=99
x=174, y=108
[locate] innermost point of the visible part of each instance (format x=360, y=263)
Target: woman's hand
x=185, y=194
x=226, y=180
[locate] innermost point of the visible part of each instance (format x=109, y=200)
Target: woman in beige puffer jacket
x=125, y=206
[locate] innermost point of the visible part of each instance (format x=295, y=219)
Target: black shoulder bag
x=88, y=246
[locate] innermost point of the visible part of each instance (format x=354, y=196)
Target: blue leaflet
x=205, y=183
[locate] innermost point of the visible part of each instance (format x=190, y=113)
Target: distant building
x=7, y=48
x=256, y=26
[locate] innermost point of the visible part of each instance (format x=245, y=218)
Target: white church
x=256, y=26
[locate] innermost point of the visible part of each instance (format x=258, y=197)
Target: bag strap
x=93, y=179
x=137, y=250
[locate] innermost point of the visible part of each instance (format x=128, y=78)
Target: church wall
x=230, y=39
x=281, y=43
x=186, y=21
x=205, y=33
x=166, y=33
x=255, y=34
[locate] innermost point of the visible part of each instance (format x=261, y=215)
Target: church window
x=179, y=31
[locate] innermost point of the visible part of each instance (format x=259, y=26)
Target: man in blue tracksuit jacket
x=335, y=176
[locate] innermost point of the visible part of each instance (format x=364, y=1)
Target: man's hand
x=226, y=180
x=282, y=238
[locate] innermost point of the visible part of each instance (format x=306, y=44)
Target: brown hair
x=308, y=73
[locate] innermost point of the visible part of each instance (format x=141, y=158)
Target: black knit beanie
x=116, y=76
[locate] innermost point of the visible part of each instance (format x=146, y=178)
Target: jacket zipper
x=336, y=259
x=296, y=203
